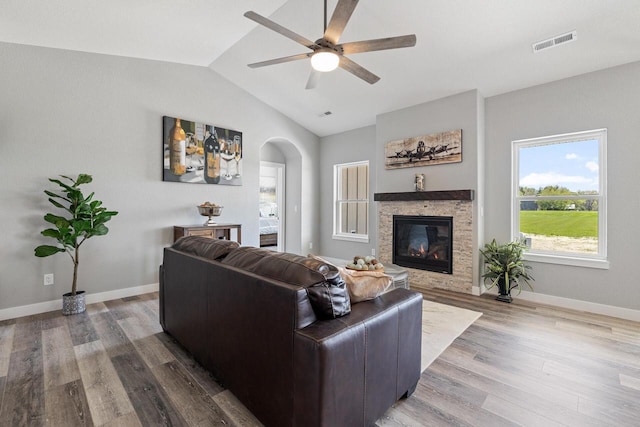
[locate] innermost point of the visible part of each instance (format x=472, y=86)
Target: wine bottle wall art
x=200, y=153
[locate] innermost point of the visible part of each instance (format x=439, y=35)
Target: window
x=351, y=201
x=559, y=198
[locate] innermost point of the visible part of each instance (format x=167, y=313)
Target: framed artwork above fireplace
x=424, y=150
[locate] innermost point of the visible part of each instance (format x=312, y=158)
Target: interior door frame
x=280, y=199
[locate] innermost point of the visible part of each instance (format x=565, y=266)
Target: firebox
x=423, y=242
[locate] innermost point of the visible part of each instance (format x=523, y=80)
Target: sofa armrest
x=349, y=370
x=238, y=325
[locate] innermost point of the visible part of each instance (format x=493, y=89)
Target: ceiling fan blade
x=379, y=44
x=314, y=77
x=339, y=19
x=280, y=60
x=357, y=70
x=280, y=29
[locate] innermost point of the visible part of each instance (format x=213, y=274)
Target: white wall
x=604, y=99
x=64, y=112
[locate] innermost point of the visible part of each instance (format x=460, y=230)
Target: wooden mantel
x=424, y=195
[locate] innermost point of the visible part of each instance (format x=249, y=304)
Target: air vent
x=555, y=41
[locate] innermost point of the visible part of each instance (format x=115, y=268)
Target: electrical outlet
x=310, y=245
x=373, y=251
x=48, y=279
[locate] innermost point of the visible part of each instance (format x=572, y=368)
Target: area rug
x=441, y=325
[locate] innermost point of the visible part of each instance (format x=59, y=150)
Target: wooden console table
x=218, y=231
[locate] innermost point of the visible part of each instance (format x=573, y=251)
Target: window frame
x=338, y=201
x=598, y=260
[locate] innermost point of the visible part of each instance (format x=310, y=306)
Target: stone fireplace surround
x=457, y=204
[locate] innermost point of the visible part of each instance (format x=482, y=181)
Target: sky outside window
x=573, y=165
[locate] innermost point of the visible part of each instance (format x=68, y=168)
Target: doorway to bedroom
x=272, y=178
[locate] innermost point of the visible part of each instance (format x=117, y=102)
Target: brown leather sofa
x=261, y=338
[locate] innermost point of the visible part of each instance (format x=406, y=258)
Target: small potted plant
x=505, y=267
x=86, y=218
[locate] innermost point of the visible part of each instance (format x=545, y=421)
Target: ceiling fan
x=326, y=54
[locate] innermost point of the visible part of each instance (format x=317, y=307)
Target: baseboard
x=43, y=307
x=574, y=304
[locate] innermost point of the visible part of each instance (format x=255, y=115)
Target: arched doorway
x=282, y=152
x=272, y=205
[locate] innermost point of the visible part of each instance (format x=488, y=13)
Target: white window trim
x=580, y=260
x=361, y=238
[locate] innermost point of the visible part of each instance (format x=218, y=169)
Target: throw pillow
x=362, y=285
x=365, y=285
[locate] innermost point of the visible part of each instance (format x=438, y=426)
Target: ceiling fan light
x=325, y=60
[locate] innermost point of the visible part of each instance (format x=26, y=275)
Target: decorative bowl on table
x=366, y=263
x=210, y=210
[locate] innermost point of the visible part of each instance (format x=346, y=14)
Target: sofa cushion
x=325, y=288
x=205, y=247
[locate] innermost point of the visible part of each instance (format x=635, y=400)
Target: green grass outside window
x=560, y=223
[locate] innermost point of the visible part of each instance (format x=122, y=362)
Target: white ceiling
x=462, y=45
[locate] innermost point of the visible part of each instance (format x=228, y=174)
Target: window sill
x=351, y=238
x=575, y=261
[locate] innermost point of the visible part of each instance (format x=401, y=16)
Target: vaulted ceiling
x=461, y=45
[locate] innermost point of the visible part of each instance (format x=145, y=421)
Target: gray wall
x=454, y=112
x=64, y=112
x=462, y=111
x=294, y=194
x=352, y=146
x=604, y=99
x=269, y=152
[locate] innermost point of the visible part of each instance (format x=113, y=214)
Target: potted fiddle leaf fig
x=505, y=268
x=84, y=218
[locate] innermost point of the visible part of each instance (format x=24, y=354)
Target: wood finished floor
x=519, y=364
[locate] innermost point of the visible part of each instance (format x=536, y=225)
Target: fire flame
x=418, y=253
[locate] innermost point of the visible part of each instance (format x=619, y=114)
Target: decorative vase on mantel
x=418, y=182
x=504, y=293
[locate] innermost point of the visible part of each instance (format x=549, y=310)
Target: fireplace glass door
x=423, y=242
